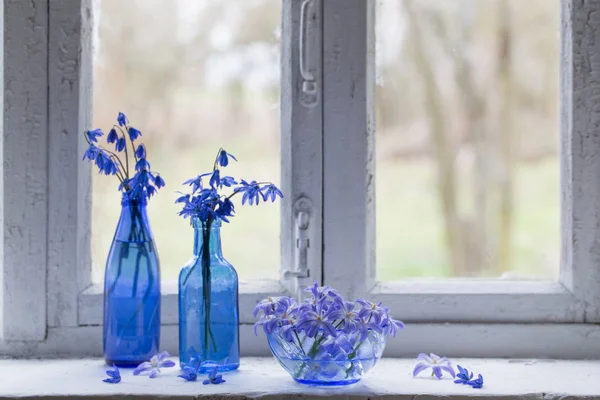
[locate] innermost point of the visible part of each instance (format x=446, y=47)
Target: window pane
x=192, y=75
x=467, y=138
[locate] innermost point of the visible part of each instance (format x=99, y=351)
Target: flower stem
x=299, y=342
x=206, y=286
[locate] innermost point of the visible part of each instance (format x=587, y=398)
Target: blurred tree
x=478, y=237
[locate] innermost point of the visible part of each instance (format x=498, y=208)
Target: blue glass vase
x=208, y=305
x=132, y=289
x=314, y=361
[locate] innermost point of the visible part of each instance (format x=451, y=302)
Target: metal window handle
x=301, y=269
x=308, y=79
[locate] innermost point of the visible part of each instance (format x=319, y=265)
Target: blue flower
x=372, y=311
x=436, y=363
x=391, y=325
x=225, y=209
x=214, y=377
x=150, y=191
x=344, y=311
x=251, y=192
x=184, y=198
x=476, y=383
x=94, y=135
x=152, y=367
x=142, y=164
x=275, y=306
x=114, y=375
x=215, y=178
x=227, y=181
x=205, y=203
x=367, y=326
x=189, y=374
x=159, y=181
x=133, y=133
x=223, y=158
x=140, y=151
x=122, y=119
x=463, y=375
x=287, y=330
x=271, y=192
x=121, y=143
x=112, y=136
x=143, y=184
x=314, y=321
x=466, y=378
x=110, y=167
x=105, y=164
x=196, y=183
x=91, y=153
x=321, y=291
x=268, y=322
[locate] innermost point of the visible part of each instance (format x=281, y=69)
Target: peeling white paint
x=25, y=170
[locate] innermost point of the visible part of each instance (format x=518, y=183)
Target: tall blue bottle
x=208, y=304
x=132, y=289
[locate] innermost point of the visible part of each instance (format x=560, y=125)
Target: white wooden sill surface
x=264, y=378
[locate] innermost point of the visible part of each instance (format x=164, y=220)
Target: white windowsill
x=263, y=377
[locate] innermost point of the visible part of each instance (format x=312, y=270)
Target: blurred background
x=467, y=128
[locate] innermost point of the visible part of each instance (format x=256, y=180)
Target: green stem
x=126, y=152
x=299, y=342
x=206, y=286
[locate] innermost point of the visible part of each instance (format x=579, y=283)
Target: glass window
x=467, y=139
x=192, y=76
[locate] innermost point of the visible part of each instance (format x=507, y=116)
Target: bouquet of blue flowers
x=132, y=275
x=209, y=203
x=136, y=182
x=325, y=338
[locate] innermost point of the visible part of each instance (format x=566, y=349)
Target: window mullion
x=349, y=145
x=70, y=109
x=580, y=148
x=301, y=144
x=25, y=174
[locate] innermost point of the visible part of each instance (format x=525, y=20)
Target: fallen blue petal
x=114, y=375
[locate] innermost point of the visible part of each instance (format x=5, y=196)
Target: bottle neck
x=210, y=230
x=133, y=223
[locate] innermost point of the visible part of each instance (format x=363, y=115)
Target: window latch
x=309, y=85
x=301, y=237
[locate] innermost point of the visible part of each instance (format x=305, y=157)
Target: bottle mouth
x=127, y=199
x=198, y=224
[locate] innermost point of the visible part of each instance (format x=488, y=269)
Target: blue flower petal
x=112, y=136
x=142, y=164
x=122, y=119
x=120, y=145
x=159, y=181
x=223, y=158
x=141, y=151
x=215, y=178
x=93, y=135
x=133, y=133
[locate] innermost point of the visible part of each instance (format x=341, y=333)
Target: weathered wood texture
x=25, y=169
x=349, y=145
x=301, y=139
x=70, y=104
x=580, y=114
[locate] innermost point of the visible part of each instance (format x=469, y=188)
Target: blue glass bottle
x=132, y=289
x=208, y=304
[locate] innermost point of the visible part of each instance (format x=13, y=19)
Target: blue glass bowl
x=329, y=361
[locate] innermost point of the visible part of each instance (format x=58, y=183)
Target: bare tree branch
x=442, y=145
